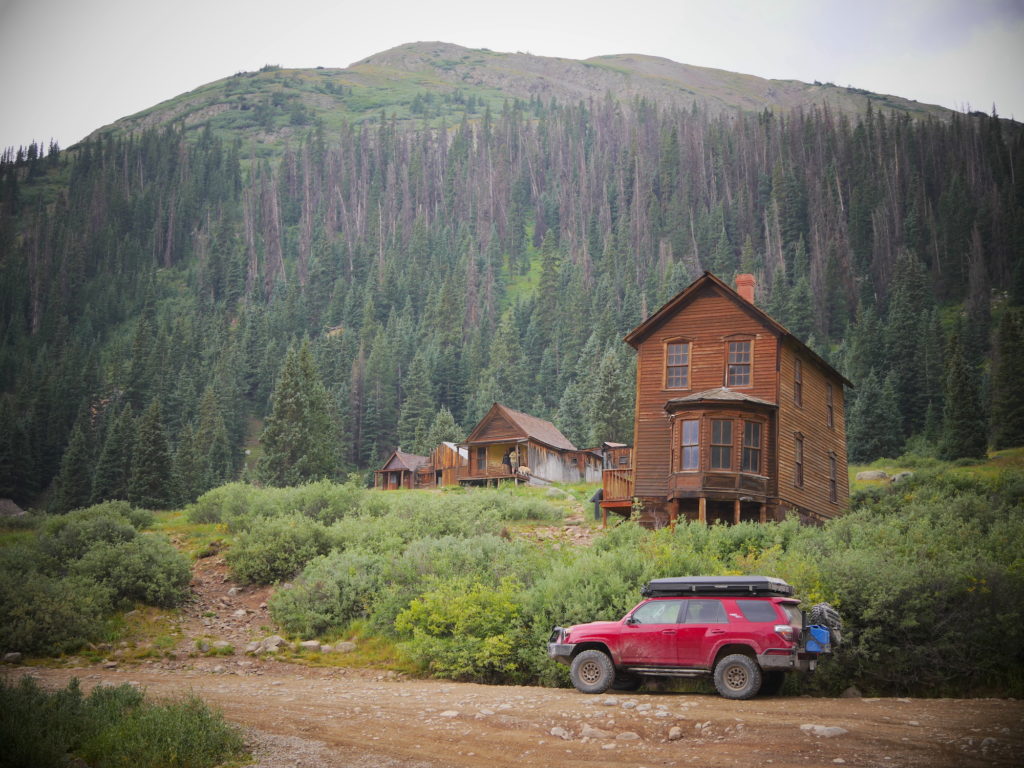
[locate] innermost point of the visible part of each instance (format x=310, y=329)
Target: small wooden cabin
x=509, y=445
x=736, y=419
x=401, y=470
x=445, y=462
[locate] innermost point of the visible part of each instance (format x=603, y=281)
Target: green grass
x=194, y=539
x=997, y=462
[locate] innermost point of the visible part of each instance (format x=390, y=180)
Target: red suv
x=744, y=631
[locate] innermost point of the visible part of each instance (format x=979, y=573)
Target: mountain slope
x=433, y=80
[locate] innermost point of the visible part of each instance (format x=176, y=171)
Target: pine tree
x=74, y=480
x=300, y=440
x=873, y=420
x=1008, y=382
x=212, y=442
x=963, y=420
x=417, y=408
x=610, y=408
x=443, y=429
x=114, y=466
x=191, y=471
x=152, y=483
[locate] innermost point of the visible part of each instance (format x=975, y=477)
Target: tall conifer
x=963, y=423
x=152, y=484
x=300, y=440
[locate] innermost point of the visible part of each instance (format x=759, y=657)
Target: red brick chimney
x=745, y=286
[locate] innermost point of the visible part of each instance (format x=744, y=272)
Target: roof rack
x=716, y=585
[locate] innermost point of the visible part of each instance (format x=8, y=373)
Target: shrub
x=46, y=614
x=332, y=591
x=276, y=548
x=465, y=631
x=239, y=504
x=113, y=726
x=68, y=537
x=146, y=569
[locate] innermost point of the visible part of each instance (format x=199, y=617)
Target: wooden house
x=401, y=470
x=445, y=462
x=510, y=445
x=736, y=419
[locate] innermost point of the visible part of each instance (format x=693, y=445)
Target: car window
x=657, y=612
x=758, y=610
x=705, y=612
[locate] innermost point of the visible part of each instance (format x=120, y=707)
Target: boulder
x=899, y=477
x=273, y=644
x=675, y=733
x=345, y=647
x=310, y=645
x=590, y=732
x=222, y=645
x=561, y=733
x=873, y=474
x=823, y=731
x=853, y=692
x=12, y=658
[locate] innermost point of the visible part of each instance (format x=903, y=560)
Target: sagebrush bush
x=50, y=614
x=111, y=727
x=331, y=592
x=147, y=569
x=67, y=537
x=276, y=548
x=239, y=504
x=465, y=631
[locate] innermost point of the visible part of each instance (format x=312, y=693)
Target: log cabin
x=540, y=453
x=735, y=418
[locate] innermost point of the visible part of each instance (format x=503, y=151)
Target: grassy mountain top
x=433, y=80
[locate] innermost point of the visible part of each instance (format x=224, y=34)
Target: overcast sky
x=71, y=66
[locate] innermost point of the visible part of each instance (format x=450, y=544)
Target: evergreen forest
x=178, y=311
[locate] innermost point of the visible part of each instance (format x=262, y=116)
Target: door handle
x=668, y=631
x=717, y=632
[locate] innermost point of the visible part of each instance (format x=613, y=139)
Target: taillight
x=786, y=631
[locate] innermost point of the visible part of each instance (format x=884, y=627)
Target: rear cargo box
x=717, y=585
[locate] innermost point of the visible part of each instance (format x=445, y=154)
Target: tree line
x=159, y=291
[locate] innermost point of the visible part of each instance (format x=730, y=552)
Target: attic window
x=738, y=368
x=677, y=364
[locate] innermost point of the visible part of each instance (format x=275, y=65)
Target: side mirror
x=631, y=621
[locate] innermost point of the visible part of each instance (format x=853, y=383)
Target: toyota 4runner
x=745, y=632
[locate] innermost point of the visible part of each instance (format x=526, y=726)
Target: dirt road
x=310, y=717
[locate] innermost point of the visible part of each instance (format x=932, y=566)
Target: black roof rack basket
x=717, y=585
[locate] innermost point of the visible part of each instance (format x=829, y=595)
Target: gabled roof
x=681, y=299
x=719, y=395
x=529, y=427
x=401, y=460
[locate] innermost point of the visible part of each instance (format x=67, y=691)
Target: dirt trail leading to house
x=306, y=717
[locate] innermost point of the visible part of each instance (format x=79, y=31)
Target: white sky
x=71, y=66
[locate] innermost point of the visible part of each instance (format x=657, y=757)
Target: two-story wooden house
x=736, y=419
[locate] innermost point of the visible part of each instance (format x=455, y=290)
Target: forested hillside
x=403, y=275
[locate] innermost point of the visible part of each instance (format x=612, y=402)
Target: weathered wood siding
x=498, y=428
x=551, y=465
x=811, y=421
x=709, y=321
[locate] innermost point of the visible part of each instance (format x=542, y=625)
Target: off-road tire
x=592, y=672
x=737, y=677
x=625, y=681
x=772, y=682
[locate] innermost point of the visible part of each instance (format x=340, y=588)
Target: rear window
x=758, y=610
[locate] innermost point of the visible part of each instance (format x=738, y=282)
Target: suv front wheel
x=737, y=677
x=592, y=672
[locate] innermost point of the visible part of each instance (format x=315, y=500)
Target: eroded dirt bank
x=306, y=717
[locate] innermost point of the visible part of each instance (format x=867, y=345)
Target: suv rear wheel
x=592, y=672
x=737, y=677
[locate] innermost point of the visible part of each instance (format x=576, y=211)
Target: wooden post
x=736, y=512
x=702, y=510
x=764, y=514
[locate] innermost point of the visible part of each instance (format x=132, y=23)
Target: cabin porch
x=493, y=463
